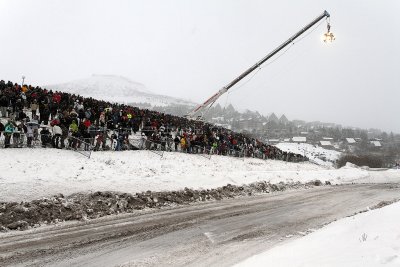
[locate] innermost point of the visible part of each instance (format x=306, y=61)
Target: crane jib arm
x=213, y=98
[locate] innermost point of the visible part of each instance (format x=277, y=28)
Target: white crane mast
x=198, y=112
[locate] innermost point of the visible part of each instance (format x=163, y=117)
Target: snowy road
x=206, y=234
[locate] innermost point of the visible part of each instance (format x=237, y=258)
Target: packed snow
x=34, y=173
x=368, y=239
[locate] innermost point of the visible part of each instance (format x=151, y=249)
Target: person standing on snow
x=19, y=131
x=1, y=128
x=57, y=133
x=29, y=132
x=8, y=131
x=73, y=129
x=45, y=136
x=4, y=102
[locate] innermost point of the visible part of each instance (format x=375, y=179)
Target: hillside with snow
x=314, y=153
x=117, y=89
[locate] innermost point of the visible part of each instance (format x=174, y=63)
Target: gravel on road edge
x=84, y=206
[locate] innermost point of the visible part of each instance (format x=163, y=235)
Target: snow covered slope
x=116, y=89
x=35, y=173
x=316, y=154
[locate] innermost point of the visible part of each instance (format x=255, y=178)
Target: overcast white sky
x=191, y=49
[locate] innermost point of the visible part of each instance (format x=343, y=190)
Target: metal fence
x=106, y=139
x=23, y=140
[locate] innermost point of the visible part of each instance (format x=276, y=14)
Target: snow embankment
x=317, y=154
x=367, y=239
x=29, y=174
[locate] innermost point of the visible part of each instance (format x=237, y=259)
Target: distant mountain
x=117, y=89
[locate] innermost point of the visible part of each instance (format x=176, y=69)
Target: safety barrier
x=110, y=141
x=76, y=145
x=22, y=140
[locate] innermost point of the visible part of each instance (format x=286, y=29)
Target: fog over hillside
x=116, y=89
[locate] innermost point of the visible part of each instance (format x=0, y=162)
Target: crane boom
x=200, y=108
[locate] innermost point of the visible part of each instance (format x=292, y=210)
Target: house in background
x=326, y=144
x=283, y=120
x=376, y=144
x=299, y=139
x=273, y=141
x=273, y=118
x=350, y=141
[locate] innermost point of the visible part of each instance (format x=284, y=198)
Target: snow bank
x=368, y=239
x=378, y=176
x=32, y=173
x=317, y=154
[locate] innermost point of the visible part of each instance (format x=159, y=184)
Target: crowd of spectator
x=62, y=120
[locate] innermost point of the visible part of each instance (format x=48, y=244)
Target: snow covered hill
x=316, y=154
x=117, y=89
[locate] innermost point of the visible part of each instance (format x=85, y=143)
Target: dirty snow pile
x=317, y=154
x=23, y=215
x=368, y=239
x=33, y=173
